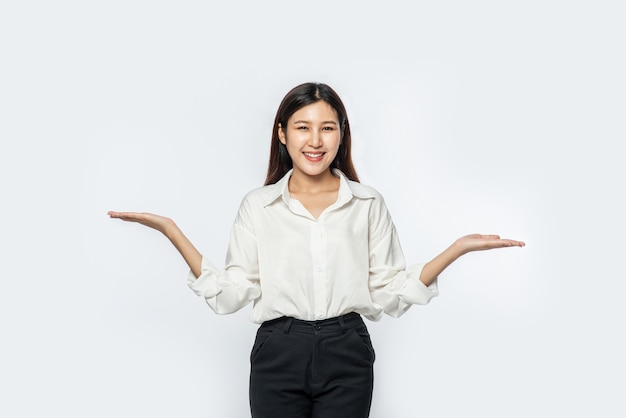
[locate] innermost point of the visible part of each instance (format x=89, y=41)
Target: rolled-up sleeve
x=229, y=289
x=393, y=286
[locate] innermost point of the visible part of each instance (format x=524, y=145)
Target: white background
x=483, y=116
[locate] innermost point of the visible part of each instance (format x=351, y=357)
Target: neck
x=302, y=183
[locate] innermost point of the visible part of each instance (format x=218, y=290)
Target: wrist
x=457, y=249
x=170, y=229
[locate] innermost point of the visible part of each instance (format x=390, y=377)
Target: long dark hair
x=298, y=97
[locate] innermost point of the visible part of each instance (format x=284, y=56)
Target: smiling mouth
x=314, y=155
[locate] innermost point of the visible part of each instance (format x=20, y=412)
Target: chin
x=314, y=172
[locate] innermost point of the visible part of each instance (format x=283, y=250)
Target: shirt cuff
x=206, y=285
x=413, y=291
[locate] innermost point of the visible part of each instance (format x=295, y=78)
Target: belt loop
x=342, y=324
x=287, y=326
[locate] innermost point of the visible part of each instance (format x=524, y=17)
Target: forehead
x=315, y=112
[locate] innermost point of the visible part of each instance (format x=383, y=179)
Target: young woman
x=314, y=251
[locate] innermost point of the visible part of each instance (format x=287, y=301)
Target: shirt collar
x=347, y=189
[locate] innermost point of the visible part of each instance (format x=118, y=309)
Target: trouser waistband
x=339, y=323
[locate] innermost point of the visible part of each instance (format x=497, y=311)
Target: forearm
x=463, y=245
x=437, y=265
x=192, y=256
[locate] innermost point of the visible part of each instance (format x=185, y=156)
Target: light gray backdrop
x=491, y=117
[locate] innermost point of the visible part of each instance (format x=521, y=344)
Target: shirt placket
x=318, y=255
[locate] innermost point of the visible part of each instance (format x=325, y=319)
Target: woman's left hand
x=479, y=242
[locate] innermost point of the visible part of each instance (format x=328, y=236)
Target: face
x=312, y=137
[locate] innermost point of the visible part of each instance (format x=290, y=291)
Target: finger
x=518, y=243
x=114, y=214
x=125, y=216
x=512, y=243
x=491, y=236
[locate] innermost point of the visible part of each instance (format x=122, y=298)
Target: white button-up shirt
x=290, y=264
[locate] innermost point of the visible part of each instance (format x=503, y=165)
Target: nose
x=316, y=139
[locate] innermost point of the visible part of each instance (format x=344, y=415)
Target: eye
x=329, y=128
x=302, y=128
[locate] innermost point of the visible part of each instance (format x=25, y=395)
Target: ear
x=281, y=135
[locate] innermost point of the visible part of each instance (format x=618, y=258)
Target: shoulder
x=252, y=204
x=364, y=191
x=367, y=194
x=378, y=214
x=358, y=190
x=265, y=195
x=257, y=199
x=262, y=196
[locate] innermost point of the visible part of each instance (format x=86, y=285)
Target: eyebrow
x=308, y=122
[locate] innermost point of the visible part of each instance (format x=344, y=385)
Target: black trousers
x=312, y=369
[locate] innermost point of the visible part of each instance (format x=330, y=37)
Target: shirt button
x=318, y=268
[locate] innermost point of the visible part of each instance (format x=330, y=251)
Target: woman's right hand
x=158, y=222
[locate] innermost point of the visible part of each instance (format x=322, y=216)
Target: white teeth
x=308, y=154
